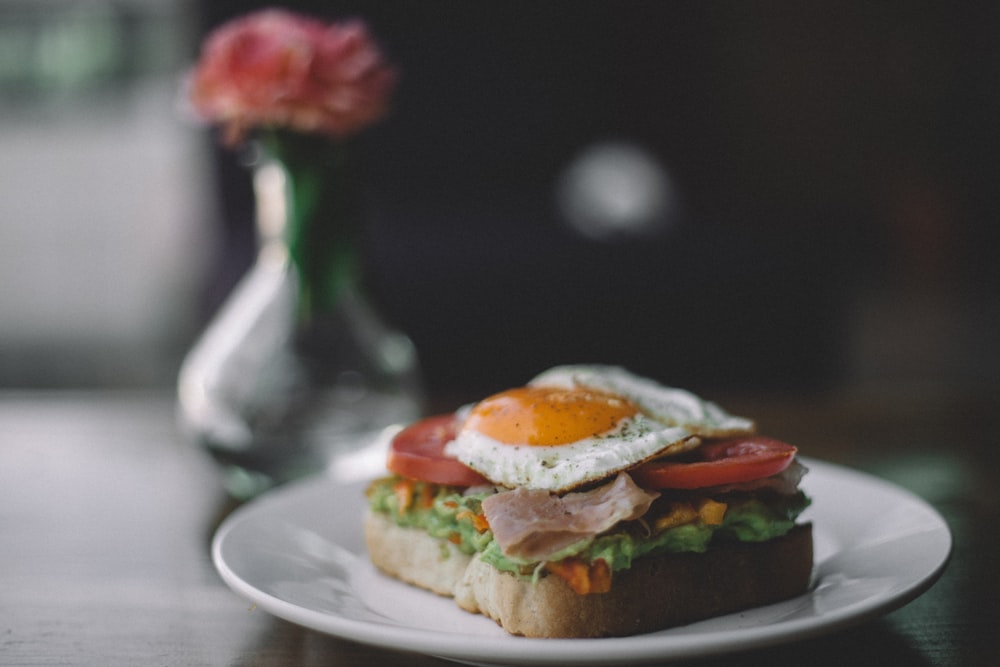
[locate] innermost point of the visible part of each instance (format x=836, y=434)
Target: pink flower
x=273, y=68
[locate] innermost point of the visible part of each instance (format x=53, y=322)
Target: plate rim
x=528, y=651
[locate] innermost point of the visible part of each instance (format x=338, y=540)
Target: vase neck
x=309, y=202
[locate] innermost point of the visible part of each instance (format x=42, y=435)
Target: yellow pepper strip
x=679, y=514
x=583, y=578
x=479, y=521
x=711, y=512
x=403, y=489
x=708, y=511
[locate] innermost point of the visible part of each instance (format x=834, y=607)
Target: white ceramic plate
x=298, y=554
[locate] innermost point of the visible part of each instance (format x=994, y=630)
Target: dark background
x=832, y=160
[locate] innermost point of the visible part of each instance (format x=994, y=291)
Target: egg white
x=668, y=405
x=563, y=467
x=670, y=421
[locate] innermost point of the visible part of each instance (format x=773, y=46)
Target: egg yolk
x=546, y=416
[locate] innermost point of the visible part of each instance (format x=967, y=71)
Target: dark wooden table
x=106, y=516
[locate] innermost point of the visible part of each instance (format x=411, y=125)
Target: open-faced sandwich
x=592, y=502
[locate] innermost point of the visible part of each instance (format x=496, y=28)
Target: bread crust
x=655, y=593
x=414, y=556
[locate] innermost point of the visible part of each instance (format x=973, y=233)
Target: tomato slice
x=730, y=461
x=418, y=452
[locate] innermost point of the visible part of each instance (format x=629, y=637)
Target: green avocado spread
x=450, y=513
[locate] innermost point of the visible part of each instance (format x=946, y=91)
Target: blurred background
x=723, y=196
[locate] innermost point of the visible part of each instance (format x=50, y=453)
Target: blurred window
x=102, y=204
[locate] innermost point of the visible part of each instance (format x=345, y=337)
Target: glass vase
x=298, y=366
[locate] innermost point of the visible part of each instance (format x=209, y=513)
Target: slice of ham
x=531, y=525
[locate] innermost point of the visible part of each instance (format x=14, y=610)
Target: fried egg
x=573, y=425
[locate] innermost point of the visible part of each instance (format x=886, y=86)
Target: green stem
x=322, y=228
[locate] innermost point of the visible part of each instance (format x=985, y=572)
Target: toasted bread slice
x=657, y=592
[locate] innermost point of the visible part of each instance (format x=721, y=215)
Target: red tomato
x=731, y=461
x=418, y=452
